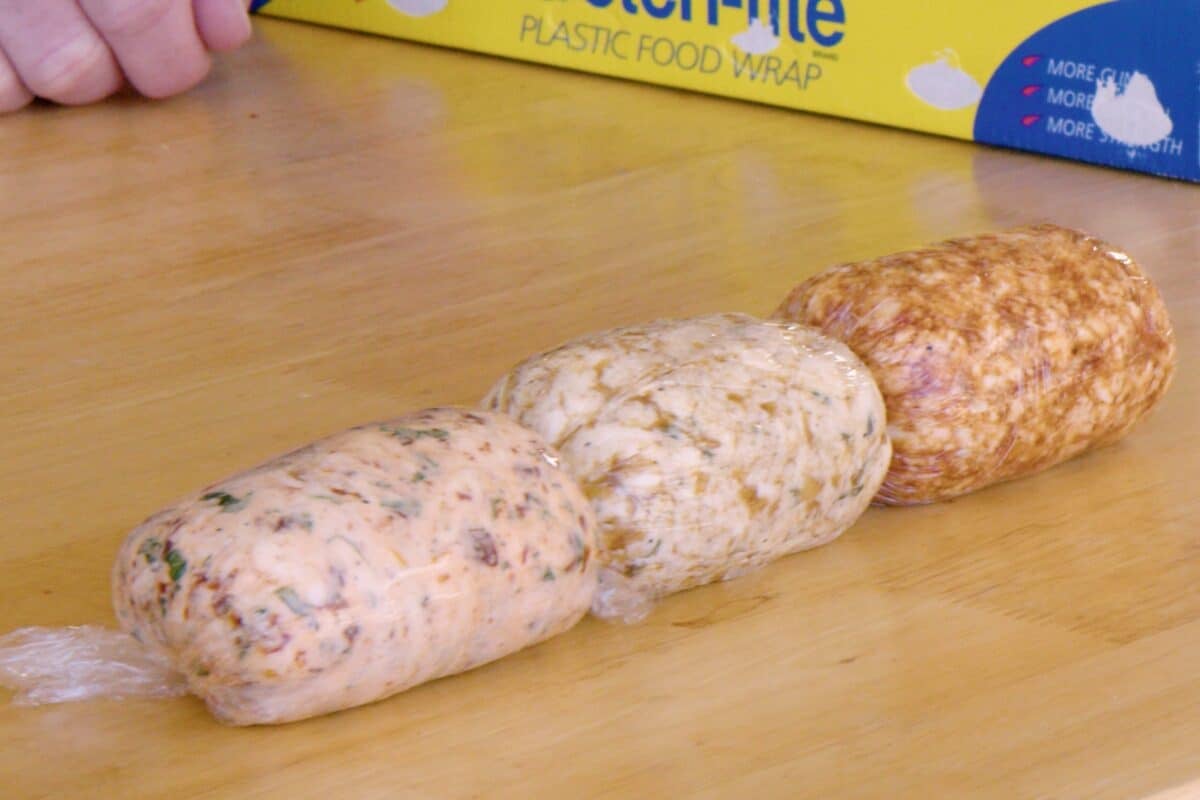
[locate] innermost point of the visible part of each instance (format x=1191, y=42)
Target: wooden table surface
x=337, y=228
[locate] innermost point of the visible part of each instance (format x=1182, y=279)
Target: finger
x=13, y=94
x=155, y=42
x=223, y=24
x=56, y=52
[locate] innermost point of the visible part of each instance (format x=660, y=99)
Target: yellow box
x=1114, y=83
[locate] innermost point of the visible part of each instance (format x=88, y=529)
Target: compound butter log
x=998, y=356
x=361, y=565
x=709, y=446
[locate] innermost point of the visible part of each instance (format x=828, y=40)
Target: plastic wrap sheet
x=58, y=665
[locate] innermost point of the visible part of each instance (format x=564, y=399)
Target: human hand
x=75, y=52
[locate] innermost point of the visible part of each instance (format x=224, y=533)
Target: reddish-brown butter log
x=998, y=356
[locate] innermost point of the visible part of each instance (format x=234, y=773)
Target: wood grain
x=337, y=228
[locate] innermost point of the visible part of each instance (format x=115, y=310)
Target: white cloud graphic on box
x=418, y=8
x=1132, y=116
x=943, y=84
x=756, y=40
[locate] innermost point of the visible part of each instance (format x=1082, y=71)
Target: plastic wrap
x=350, y=570
x=707, y=446
x=59, y=665
x=998, y=356
x=362, y=565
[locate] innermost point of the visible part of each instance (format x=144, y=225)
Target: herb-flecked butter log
x=998, y=355
x=362, y=565
x=708, y=446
